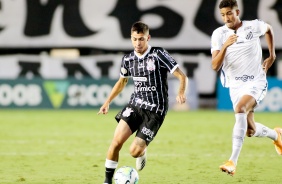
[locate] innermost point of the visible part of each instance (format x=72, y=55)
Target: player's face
x=140, y=42
x=230, y=17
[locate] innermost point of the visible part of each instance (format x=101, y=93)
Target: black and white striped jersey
x=149, y=74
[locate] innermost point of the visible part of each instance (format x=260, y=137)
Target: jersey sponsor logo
x=248, y=27
x=143, y=79
x=225, y=31
x=240, y=42
x=142, y=102
x=148, y=133
x=140, y=88
x=245, y=78
x=126, y=112
x=253, y=92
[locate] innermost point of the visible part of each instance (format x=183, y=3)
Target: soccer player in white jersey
x=237, y=52
x=145, y=112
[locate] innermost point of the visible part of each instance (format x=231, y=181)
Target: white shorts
x=256, y=89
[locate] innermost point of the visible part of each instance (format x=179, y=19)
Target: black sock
x=109, y=173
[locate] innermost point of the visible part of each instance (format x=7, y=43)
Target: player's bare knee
x=134, y=155
x=137, y=147
x=116, y=145
x=250, y=132
x=135, y=152
x=240, y=109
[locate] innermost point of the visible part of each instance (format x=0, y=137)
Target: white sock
x=239, y=132
x=111, y=164
x=263, y=131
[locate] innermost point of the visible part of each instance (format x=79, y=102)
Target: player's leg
x=241, y=110
x=251, y=124
x=138, y=151
x=256, y=129
x=138, y=147
x=121, y=134
x=240, y=127
x=145, y=134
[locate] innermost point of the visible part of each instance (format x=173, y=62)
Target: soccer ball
x=126, y=175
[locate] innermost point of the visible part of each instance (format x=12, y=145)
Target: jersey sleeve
x=216, y=43
x=167, y=60
x=261, y=26
x=124, y=71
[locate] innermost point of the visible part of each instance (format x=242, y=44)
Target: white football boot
x=141, y=161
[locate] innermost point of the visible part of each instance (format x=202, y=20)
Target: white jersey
x=243, y=60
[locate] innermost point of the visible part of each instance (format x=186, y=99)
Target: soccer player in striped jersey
x=237, y=52
x=145, y=112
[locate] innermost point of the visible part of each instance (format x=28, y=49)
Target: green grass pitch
x=69, y=147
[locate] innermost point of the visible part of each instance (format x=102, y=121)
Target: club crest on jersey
x=127, y=112
x=151, y=65
x=249, y=36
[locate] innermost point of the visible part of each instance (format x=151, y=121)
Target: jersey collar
x=145, y=53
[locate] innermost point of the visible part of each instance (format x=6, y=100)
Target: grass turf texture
x=69, y=147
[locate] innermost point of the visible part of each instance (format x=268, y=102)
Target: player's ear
x=149, y=37
x=237, y=12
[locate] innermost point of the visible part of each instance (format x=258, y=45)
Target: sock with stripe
x=110, y=170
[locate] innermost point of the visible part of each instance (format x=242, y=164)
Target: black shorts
x=144, y=122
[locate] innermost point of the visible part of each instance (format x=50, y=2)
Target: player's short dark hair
x=140, y=27
x=228, y=4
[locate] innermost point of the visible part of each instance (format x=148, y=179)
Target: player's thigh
x=248, y=96
x=122, y=132
x=245, y=104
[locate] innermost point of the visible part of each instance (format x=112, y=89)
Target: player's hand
x=104, y=109
x=181, y=99
x=231, y=39
x=267, y=63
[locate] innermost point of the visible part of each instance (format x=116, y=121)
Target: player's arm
x=269, y=36
x=218, y=55
x=118, y=87
x=183, y=85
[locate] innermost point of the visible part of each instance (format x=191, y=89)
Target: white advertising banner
x=175, y=24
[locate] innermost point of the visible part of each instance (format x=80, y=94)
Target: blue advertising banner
x=71, y=93
x=272, y=102
x=59, y=94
